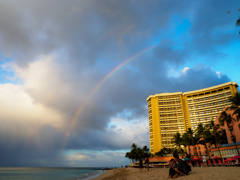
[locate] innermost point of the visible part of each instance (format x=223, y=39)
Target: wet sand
x=198, y=173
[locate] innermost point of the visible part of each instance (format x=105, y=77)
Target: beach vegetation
x=164, y=152
x=238, y=23
x=193, y=140
x=137, y=153
x=231, y=115
x=204, y=134
x=219, y=136
x=228, y=119
x=177, y=140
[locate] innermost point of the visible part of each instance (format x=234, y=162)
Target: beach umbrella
x=237, y=157
x=186, y=159
x=216, y=158
x=219, y=161
x=230, y=159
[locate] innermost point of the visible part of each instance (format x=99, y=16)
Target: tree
x=217, y=132
x=186, y=141
x=137, y=154
x=193, y=140
x=238, y=23
x=235, y=104
x=164, y=151
x=229, y=120
x=204, y=136
x=177, y=140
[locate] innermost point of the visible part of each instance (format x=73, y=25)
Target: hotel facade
x=170, y=113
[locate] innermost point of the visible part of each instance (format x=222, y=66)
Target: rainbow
x=79, y=110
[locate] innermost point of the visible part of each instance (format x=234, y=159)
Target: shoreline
x=198, y=173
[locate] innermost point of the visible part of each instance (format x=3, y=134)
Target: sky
x=75, y=75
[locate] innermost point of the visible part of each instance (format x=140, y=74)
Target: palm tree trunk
x=236, y=147
x=218, y=147
x=207, y=150
x=189, y=150
x=234, y=142
x=220, y=154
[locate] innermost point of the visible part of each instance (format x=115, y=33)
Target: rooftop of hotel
x=195, y=91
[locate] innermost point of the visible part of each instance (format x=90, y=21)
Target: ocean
x=34, y=173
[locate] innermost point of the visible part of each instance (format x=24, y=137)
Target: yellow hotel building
x=170, y=113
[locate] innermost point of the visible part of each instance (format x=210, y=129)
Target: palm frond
x=238, y=22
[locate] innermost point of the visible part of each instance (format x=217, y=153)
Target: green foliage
x=228, y=119
x=163, y=152
x=137, y=153
x=177, y=140
x=238, y=22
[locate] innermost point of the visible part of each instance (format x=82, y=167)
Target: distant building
x=236, y=130
x=230, y=148
x=170, y=113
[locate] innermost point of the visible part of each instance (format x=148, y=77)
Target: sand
x=198, y=173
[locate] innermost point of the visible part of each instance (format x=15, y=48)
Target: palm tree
x=186, y=141
x=137, y=154
x=235, y=103
x=177, y=140
x=204, y=136
x=193, y=140
x=238, y=23
x=217, y=134
x=229, y=120
x=160, y=153
x=164, y=151
x=146, y=151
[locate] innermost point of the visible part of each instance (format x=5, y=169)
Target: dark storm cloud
x=213, y=27
x=198, y=77
x=89, y=39
x=31, y=150
x=29, y=29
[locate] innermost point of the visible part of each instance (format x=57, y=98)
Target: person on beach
x=180, y=166
x=172, y=172
x=147, y=163
x=204, y=161
x=141, y=165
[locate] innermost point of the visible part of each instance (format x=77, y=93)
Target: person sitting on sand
x=179, y=166
x=172, y=171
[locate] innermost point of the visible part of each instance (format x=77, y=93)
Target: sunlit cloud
x=54, y=60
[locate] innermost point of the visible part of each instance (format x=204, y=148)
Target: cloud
x=198, y=77
x=58, y=52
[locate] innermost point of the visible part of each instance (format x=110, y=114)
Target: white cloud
x=17, y=107
x=185, y=69
x=134, y=131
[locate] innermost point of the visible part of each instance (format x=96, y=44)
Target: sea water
x=30, y=173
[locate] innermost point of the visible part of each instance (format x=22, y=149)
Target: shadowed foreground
x=213, y=173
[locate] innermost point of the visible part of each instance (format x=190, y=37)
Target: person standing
x=147, y=163
x=204, y=160
x=141, y=165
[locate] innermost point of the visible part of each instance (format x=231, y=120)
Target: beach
x=198, y=173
